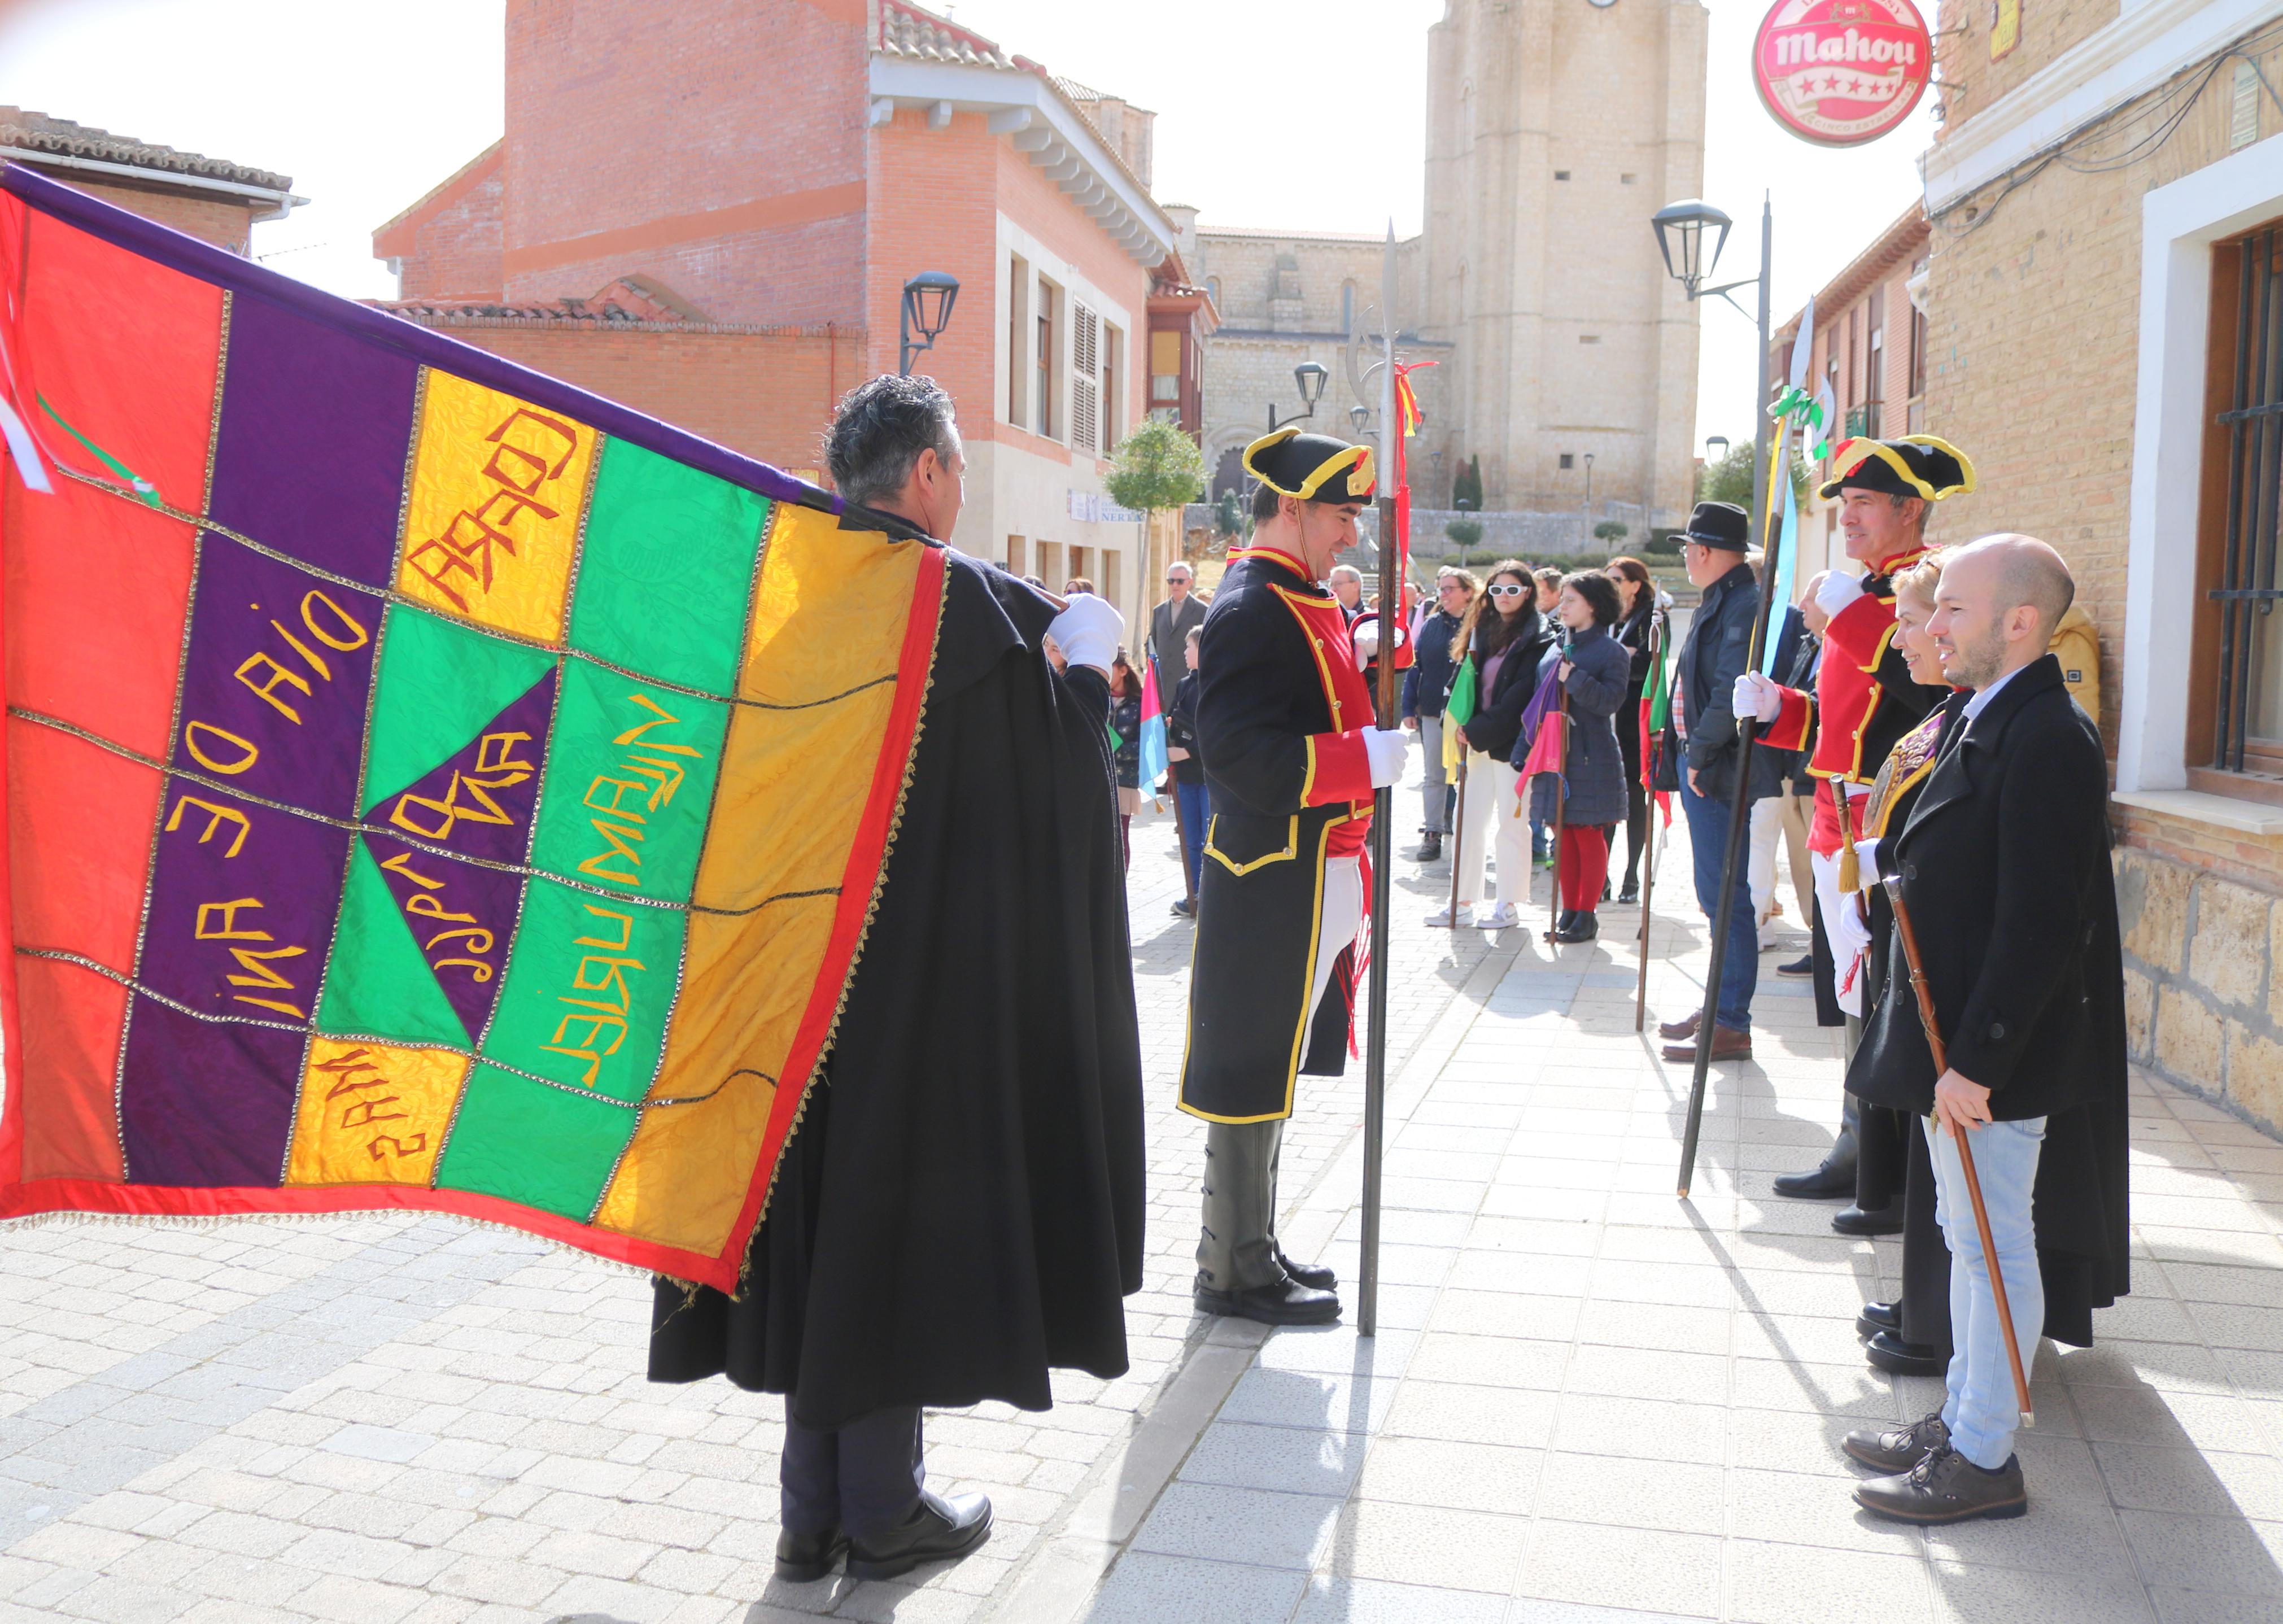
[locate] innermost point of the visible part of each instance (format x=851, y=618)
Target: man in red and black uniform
x=1864, y=702
x=1292, y=754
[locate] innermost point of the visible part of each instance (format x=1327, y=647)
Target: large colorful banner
x=428, y=786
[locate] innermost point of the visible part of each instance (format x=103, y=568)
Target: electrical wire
x=2170, y=105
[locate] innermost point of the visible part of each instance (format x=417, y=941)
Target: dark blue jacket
x=1428, y=680
x=1599, y=666
x=1718, y=648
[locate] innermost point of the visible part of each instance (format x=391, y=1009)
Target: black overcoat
x=1497, y=720
x=960, y=1207
x=2006, y=869
x=1715, y=653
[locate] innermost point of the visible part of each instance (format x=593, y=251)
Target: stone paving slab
x=1587, y=1403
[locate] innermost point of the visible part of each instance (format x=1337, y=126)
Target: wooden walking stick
x=1927, y=1019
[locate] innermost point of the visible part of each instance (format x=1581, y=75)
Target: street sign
x=1840, y=72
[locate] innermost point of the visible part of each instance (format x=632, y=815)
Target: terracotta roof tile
x=908, y=31
x=37, y=132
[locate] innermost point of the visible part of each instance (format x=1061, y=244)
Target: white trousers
x=1489, y=814
x=1339, y=921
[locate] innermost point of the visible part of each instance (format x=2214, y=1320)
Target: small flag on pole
x=1656, y=715
x=1153, y=729
x=1458, y=710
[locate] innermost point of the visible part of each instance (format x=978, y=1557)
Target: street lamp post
x=928, y=299
x=1589, y=495
x=1680, y=228
x=1311, y=380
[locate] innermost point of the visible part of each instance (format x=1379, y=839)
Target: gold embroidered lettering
x=216, y=814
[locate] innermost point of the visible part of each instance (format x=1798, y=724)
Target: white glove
x=1838, y=589
x=1089, y=631
x=1867, y=863
x=1758, y=696
x=1387, y=747
x=1367, y=642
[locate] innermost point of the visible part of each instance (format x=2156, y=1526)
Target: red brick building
x=710, y=211
x=206, y=197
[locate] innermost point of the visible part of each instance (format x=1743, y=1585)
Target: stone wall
x=2203, y=938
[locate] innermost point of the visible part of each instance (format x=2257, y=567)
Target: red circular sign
x=1840, y=72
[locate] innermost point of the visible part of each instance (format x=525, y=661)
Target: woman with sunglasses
x=1504, y=636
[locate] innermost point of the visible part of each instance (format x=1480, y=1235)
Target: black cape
x=961, y=1207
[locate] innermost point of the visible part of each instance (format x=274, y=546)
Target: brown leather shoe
x=1675, y=1030
x=1727, y=1044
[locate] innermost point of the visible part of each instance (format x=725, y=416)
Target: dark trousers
x=1739, y=968
x=863, y=1479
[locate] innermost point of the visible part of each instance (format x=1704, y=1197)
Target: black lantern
x=1680, y=228
x=1716, y=447
x=1312, y=380
x=1359, y=418
x=928, y=299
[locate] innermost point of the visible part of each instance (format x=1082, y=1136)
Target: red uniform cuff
x=1339, y=769
x=1795, y=723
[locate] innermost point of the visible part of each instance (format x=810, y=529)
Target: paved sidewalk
x=1588, y=1402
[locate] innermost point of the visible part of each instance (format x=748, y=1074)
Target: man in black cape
x=2004, y=865
x=960, y=1207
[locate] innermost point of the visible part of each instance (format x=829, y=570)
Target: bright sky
x=367, y=110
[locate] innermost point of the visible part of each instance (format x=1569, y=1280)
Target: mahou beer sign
x=1842, y=72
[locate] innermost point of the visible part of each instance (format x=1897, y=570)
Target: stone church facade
x=1555, y=129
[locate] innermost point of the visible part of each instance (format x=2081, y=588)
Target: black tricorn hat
x=1915, y=465
x=1312, y=467
x=1720, y=524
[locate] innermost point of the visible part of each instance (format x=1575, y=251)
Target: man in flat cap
x=1292, y=754
x=1865, y=700
x=1716, y=652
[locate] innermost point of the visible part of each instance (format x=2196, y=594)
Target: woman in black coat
x=1502, y=638
x=1590, y=791
x=1638, y=595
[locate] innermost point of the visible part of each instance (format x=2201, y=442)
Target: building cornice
x=1045, y=128
x=278, y=201
x=2145, y=46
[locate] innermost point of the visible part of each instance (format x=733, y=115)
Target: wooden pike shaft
x=1927, y=1019
x=1649, y=832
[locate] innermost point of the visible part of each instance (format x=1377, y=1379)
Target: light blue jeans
x=1980, y=1410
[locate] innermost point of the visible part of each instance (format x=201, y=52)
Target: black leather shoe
x=1852, y=1220
x=1562, y=922
x=938, y=1530
x=1946, y=1488
x=1889, y=1353
x=1315, y=1276
x=1897, y=1449
x=1584, y=926
x=804, y=1558
x=1287, y=1302
x=1878, y=1316
x=1629, y=896
x=1835, y=1179
x=1803, y=965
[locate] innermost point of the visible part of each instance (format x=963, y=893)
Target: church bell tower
x=1554, y=129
